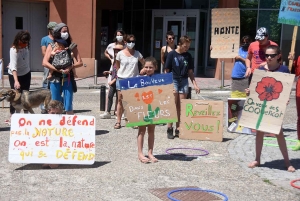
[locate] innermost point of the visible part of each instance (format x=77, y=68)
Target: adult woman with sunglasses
x=168, y=48
x=18, y=70
x=127, y=66
x=119, y=37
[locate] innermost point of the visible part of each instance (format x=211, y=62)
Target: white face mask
x=119, y=38
x=64, y=35
x=130, y=45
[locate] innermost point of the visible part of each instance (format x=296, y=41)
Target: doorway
x=181, y=22
x=18, y=16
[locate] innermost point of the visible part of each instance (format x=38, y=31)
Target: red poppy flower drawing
x=268, y=89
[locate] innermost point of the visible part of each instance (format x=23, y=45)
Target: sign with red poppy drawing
x=265, y=106
x=149, y=100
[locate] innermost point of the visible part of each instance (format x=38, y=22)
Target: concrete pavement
x=118, y=175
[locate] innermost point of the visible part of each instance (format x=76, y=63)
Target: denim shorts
x=181, y=85
x=118, y=84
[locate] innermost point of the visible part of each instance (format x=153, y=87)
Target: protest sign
x=289, y=12
x=201, y=120
x=149, y=100
x=225, y=32
x=264, y=108
x=52, y=139
x=235, y=107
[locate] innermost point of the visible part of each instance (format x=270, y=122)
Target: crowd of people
x=263, y=54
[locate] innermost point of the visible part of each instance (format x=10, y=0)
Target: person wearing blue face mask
x=127, y=66
x=239, y=81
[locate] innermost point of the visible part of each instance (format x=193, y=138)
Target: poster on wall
x=289, y=12
x=225, y=32
x=149, y=100
x=264, y=108
x=234, y=112
x=52, y=139
x=201, y=120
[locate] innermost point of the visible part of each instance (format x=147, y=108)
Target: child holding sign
x=149, y=67
x=54, y=107
x=273, y=57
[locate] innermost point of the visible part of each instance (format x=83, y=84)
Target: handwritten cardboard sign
x=234, y=112
x=149, y=100
x=225, y=32
x=289, y=12
x=201, y=120
x=52, y=139
x=264, y=108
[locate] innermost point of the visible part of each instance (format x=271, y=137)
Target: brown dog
x=27, y=99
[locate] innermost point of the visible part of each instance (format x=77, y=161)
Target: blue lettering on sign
x=146, y=81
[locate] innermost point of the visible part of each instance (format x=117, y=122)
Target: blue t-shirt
x=239, y=68
x=282, y=69
x=179, y=64
x=45, y=41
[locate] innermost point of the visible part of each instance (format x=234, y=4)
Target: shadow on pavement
x=226, y=139
x=101, y=132
x=177, y=157
x=63, y=166
x=5, y=128
x=289, y=130
x=279, y=164
x=81, y=111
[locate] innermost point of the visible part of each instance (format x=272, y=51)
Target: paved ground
x=118, y=175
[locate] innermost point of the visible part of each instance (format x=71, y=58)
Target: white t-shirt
x=19, y=61
x=110, y=49
x=128, y=65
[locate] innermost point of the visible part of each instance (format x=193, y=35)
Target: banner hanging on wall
x=225, y=32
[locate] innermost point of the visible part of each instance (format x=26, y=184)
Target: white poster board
x=52, y=139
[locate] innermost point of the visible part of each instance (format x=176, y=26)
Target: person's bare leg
x=258, y=147
x=178, y=107
x=284, y=151
x=151, y=129
x=140, y=143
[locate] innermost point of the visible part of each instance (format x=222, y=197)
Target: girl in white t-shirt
x=127, y=66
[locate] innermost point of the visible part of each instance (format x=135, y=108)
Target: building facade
x=92, y=24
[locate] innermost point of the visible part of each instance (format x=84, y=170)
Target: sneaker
x=176, y=133
x=297, y=146
x=105, y=115
x=170, y=133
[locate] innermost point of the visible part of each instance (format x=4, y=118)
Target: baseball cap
x=261, y=33
x=51, y=25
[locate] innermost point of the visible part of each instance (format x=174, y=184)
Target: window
x=174, y=4
x=249, y=3
x=268, y=19
x=248, y=23
x=270, y=4
x=152, y=4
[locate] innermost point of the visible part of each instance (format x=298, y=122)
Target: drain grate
x=162, y=193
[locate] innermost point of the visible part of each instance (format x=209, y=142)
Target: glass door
x=175, y=24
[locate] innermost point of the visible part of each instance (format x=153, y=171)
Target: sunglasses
x=131, y=41
x=171, y=38
x=270, y=55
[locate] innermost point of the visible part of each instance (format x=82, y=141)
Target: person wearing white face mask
x=127, y=66
x=109, y=53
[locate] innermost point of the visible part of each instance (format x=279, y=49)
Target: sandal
x=117, y=126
